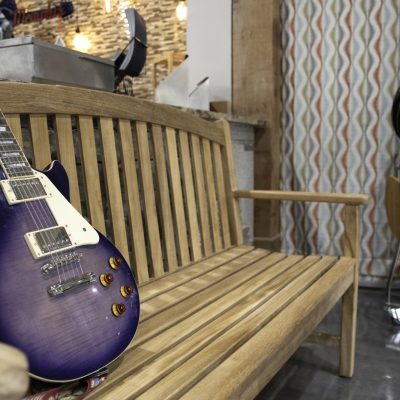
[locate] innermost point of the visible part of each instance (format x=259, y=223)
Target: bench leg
x=348, y=332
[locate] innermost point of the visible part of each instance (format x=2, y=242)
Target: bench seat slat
x=204, y=307
x=255, y=290
x=182, y=378
x=278, y=283
x=291, y=327
x=203, y=282
x=227, y=310
x=158, y=322
x=167, y=282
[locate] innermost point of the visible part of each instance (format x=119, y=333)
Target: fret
x=7, y=142
x=10, y=161
x=13, y=165
x=16, y=168
x=13, y=153
x=5, y=131
x=12, y=158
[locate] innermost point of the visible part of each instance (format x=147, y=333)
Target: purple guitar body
x=71, y=312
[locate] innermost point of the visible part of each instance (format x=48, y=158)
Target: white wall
x=209, y=46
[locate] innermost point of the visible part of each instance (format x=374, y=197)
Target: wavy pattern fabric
x=341, y=68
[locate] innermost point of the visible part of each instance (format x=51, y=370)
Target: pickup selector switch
x=126, y=290
x=118, y=309
x=106, y=279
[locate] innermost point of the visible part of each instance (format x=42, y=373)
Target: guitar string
x=75, y=264
x=30, y=206
x=56, y=256
x=13, y=173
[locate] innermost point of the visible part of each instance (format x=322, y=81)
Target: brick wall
x=109, y=32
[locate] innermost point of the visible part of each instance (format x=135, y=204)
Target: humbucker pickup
x=23, y=190
x=48, y=241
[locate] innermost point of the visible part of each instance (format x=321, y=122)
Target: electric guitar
x=68, y=298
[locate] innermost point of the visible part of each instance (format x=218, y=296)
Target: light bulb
x=81, y=42
x=108, y=6
x=181, y=11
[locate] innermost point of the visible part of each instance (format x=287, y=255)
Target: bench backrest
x=167, y=175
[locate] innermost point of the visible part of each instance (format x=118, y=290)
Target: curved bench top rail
x=27, y=98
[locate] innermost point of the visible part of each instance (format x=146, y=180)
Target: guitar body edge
x=73, y=335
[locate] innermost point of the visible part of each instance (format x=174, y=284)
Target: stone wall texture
x=109, y=32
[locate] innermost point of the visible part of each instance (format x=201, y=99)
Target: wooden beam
x=256, y=93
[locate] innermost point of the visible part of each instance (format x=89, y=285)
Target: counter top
x=236, y=119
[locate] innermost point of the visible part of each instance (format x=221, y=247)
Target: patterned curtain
x=341, y=68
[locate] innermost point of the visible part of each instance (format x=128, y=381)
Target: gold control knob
x=118, y=309
x=106, y=279
x=115, y=262
x=126, y=290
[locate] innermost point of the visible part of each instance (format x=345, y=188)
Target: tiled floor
x=311, y=373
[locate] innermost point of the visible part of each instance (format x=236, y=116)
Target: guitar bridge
x=58, y=289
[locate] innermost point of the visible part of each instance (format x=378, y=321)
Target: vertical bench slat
x=40, y=141
x=14, y=122
x=212, y=198
x=189, y=194
x=113, y=185
x=135, y=211
x=221, y=194
x=91, y=173
x=177, y=195
x=201, y=195
x=149, y=199
x=166, y=211
x=66, y=154
x=230, y=182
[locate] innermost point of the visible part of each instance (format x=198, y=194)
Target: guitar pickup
x=48, y=241
x=23, y=190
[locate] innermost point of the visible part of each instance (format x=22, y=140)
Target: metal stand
x=394, y=308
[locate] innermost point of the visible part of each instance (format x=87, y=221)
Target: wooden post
x=256, y=93
x=351, y=247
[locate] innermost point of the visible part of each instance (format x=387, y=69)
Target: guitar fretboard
x=12, y=158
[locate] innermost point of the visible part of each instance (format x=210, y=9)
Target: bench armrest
x=344, y=198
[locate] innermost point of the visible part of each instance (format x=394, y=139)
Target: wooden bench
x=218, y=317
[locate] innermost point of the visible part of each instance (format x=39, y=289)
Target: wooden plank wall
x=256, y=93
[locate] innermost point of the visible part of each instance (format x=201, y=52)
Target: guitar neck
x=12, y=159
